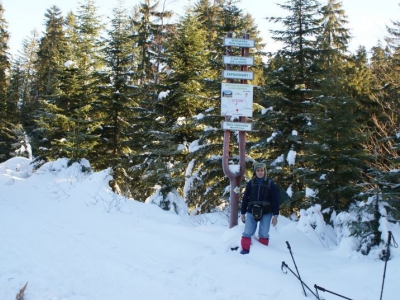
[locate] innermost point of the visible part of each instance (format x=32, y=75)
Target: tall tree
x=187, y=61
x=335, y=139
x=28, y=89
x=334, y=38
x=115, y=107
x=51, y=54
x=79, y=89
x=151, y=33
x=7, y=107
x=149, y=22
x=49, y=66
x=292, y=83
x=204, y=189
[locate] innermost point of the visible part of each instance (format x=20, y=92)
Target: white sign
x=237, y=126
x=238, y=60
x=236, y=100
x=237, y=74
x=244, y=43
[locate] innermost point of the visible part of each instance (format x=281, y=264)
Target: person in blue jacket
x=260, y=203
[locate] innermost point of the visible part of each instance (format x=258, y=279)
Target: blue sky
x=367, y=19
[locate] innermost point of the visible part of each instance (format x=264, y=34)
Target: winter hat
x=260, y=166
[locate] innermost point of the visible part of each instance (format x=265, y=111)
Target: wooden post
x=235, y=178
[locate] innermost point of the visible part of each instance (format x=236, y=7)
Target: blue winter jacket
x=260, y=194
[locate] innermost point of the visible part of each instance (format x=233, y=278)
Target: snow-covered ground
x=67, y=235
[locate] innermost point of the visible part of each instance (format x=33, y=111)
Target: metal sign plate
x=238, y=60
x=237, y=126
x=244, y=43
x=237, y=74
x=236, y=99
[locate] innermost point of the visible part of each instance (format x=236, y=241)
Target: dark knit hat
x=260, y=165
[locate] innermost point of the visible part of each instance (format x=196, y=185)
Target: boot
x=264, y=241
x=246, y=242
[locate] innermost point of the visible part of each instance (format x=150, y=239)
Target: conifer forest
x=140, y=95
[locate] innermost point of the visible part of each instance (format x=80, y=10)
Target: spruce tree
x=28, y=89
x=79, y=86
x=205, y=187
x=334, y=38
x=162, y=162
x=116, y=108
x=66, y=119
x=292, y=78
x=7, y=105
x=149, y=24
x=51, y=58
x=335, y=139
x=149, y=161
x=51, y=54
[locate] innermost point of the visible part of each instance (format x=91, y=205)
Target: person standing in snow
x=260, y=204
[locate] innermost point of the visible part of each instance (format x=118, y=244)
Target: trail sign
x=238, y=60
x=237, y=126
x=236, y=100
x=245, y=43
x=237, y=74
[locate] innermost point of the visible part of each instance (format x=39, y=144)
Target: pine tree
x=21, y=147
x=384, y=125
x=150, y=33
x=79, y=84
x=149, y=24
x=7, y=107
x=51, y=54
x=205, y=188
x=335, y=153
x=334, y=142
x=13, y=93
x=66, y=119
x=292, y=83
x=162, y=162
x=116, y=107
x=28, y=89
x=49, y=65
x=334, y=38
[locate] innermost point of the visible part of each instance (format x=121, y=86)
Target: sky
x=69, y=237
x=367, y=19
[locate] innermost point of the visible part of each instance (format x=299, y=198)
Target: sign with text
x=238, y=60
x=236, y=100
x=244, y=43
x=248, y=75
x=237, y=126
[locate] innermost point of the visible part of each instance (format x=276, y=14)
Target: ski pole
x=302, y=283
x=386, y=258
x=325, y=290
x=290, y=250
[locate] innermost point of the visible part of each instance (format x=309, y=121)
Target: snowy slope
x=67, y=235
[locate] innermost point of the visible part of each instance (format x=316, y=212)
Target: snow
x=70, y=237
x=163, y=95
x=69, y=64
x=291, y=157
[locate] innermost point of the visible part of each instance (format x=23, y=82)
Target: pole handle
x=288, y=245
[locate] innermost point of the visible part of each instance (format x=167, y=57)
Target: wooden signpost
x=236, y=103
